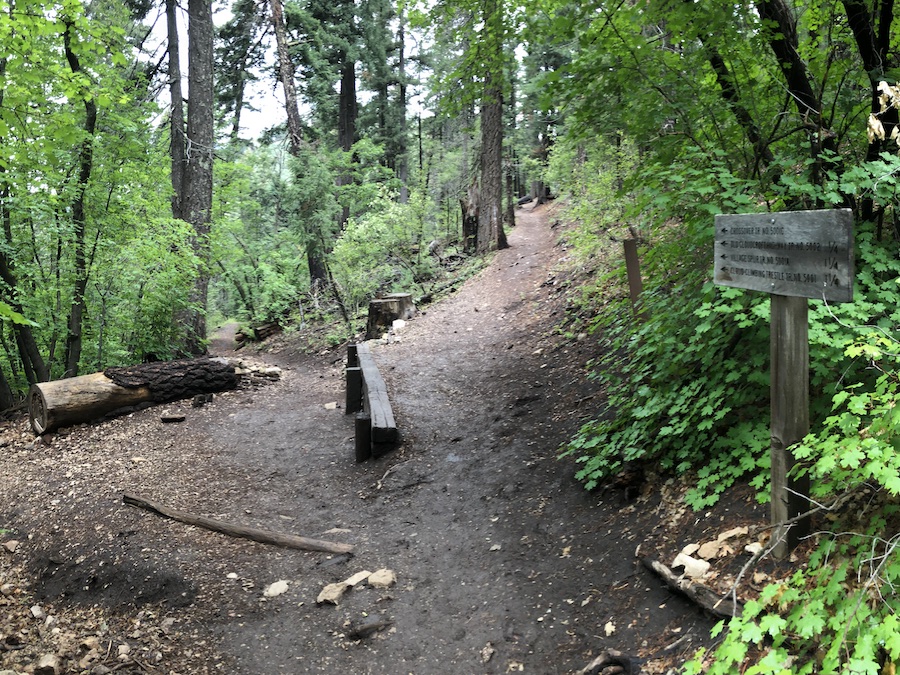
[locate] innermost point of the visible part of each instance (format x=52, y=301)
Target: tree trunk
x=33, y=364
x=85, y=167
x=176, y=121
x=286, y=75
x=509, y=161
x=76, y=400
x=469, y=207
x=318, y=274
x=347, y=112
x=402, y=158
x=384, y=311
x=874, y=50
x=490, y=213
x=199, y=178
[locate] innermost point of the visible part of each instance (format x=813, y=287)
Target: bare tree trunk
x=509, y=163
x=85, y=167
x=286, y=75
x=469, y=207
x=873, y=45
x=347, y=112
x=490, y=212
x=318, y=274
x=199, y=178
x=176, y=121
x=402, y=159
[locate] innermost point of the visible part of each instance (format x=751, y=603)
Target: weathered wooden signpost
x=793, y=256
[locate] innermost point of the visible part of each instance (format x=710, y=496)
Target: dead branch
x=617, y=662
x=233, y=530
x=697, y=592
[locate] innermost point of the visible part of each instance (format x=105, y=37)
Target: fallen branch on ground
x=232, y=530
x=615, y=661
x=704, y=596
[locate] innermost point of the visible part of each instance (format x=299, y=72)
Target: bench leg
x=363, y=436
x=354, y=391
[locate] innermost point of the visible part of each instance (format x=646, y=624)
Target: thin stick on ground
x=233, y=530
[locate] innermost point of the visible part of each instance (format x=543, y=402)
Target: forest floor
x=502, y=562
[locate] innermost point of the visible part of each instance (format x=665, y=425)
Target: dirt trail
x=503, y=563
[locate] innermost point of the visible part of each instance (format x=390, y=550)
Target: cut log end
x=384, y=311
x=37, y=410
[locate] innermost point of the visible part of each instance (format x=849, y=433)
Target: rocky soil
x=492, y=558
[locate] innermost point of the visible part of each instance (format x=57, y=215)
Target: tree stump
x=385, y=310
x=74, y=400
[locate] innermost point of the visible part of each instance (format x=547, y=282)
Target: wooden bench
x=376, y=431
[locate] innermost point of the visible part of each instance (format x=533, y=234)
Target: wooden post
x=354, y=390
x=363, y=436
x=352, y=356
x=633, y=267
x=789, y=351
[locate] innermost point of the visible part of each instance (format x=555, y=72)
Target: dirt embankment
x=502, y=562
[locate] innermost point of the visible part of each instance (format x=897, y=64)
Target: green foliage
x=687, y=386
x=8, y=314
x=589, y=176
x=839, y=614
x=268, y=208
x=384, y=250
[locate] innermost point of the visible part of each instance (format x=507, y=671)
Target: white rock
x=332, y=593
x=48, y=664
x=382, y=578
x=692, y=567
x=356, y=578
x=276, y=589
x=753, y=548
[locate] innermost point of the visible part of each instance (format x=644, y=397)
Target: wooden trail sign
x=792, y=255
x=806, y=254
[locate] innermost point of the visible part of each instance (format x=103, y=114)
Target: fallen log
x=240, y=531
x=702, y=595
x=75, y=400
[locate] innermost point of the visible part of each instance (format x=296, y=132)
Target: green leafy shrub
x=839, y=614
x=689, y=386
x=384, y=250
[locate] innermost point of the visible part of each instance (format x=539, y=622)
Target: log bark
x=240, y=531
x=76, y=400
x=697, y=592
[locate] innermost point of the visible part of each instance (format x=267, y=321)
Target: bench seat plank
x=375, y=398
